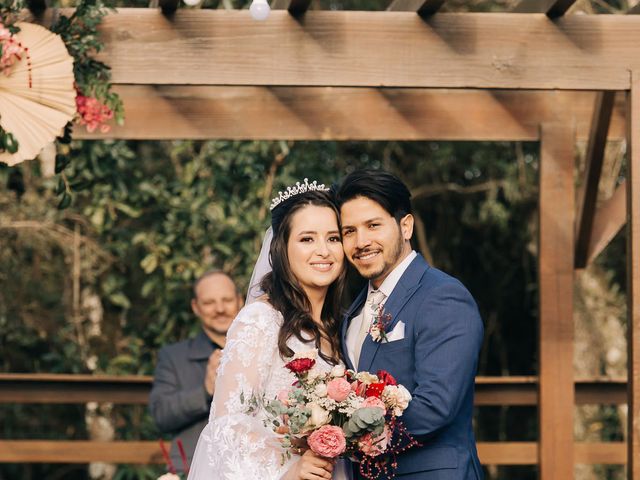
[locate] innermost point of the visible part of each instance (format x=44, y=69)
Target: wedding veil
x=262, y=267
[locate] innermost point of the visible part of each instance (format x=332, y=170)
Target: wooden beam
x=556, y=211
x=521, y=391
x=148, y=452
x=355, y=48
x=294, y=7
x=600, y=453
x=421, y=7
x=551, y=8
x=588, y=197
x=633, y=278
x=526, y=453
x=43, y=451
x=516, y=453
x=609, y=219
x=43, y=388
x=601, y=392
x=344, y=113
x=66, y=389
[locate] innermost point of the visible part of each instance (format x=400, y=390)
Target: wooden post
x=600, y=122
x=633, y=275
x=557, y=214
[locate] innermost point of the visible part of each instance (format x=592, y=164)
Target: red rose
x=386, y=378
x=375, y=389
x=300, y=365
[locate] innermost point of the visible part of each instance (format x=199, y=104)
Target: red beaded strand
x=386, y=463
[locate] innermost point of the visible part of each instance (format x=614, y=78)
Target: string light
x=259, y=10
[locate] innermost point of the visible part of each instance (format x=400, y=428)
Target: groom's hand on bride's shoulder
x=212, y=369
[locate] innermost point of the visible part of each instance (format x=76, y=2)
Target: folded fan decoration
x=37, y=98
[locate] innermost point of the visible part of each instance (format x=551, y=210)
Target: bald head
x=213, y=273
x=216, y=302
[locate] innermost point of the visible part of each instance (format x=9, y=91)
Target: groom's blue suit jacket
x=436, y=361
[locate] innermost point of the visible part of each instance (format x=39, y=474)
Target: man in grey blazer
x=185, y=374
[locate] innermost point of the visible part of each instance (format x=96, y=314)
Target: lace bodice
x=235, y=445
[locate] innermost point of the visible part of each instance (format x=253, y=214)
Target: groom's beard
x=388, y=262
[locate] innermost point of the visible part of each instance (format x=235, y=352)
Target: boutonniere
x=380, y=325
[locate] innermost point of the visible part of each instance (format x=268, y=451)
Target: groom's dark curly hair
x=382, y=187
x=285, y=292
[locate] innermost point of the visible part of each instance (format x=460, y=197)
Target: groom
x=433, y=329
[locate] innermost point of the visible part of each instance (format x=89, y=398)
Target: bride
x=299, y=311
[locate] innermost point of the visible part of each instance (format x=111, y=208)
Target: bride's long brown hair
x=287, y=295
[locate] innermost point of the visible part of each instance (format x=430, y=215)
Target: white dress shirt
x=386, y=288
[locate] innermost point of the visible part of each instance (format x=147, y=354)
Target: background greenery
x=152, y=216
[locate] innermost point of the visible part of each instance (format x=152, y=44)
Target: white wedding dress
x=236, y=445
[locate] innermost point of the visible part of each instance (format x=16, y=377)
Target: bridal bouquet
x=343, y=413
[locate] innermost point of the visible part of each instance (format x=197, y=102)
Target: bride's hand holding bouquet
x=342, y=413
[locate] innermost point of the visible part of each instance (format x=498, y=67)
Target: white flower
x=313, y=375
x=169, y=476
x=366, y=378
x=351, y=404
x=338, y=371
x=319, y=416
x=320, y=390
x=396, y=398
x=312, y=354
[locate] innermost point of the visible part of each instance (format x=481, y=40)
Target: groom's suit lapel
x=399, y=297
x=355, y=307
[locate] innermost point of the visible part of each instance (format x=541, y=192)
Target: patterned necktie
x=370, y=309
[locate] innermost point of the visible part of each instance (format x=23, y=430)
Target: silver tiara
x=297, y=189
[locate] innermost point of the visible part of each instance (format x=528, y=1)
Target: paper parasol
x=37, y=99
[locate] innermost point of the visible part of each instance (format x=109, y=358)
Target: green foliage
x=82, y=39
x=369, y=419
x=8, y=142
x=152, y=216
x=162, y=213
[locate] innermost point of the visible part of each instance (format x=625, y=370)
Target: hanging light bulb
x=191, y=3
x=259, y=9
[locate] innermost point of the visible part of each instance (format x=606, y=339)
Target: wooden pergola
x=413, y=72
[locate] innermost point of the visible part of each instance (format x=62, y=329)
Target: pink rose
x=338, y=389
x=374, y=445
x=373, y=402
x=328, y=441
x=283, y=396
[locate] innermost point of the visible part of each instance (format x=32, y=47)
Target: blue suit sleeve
x=171, y=407
x=448, y=336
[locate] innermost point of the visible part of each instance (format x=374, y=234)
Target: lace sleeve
x=236, y=444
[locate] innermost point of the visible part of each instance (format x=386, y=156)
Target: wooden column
x=557, y=214
x=633, y=275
